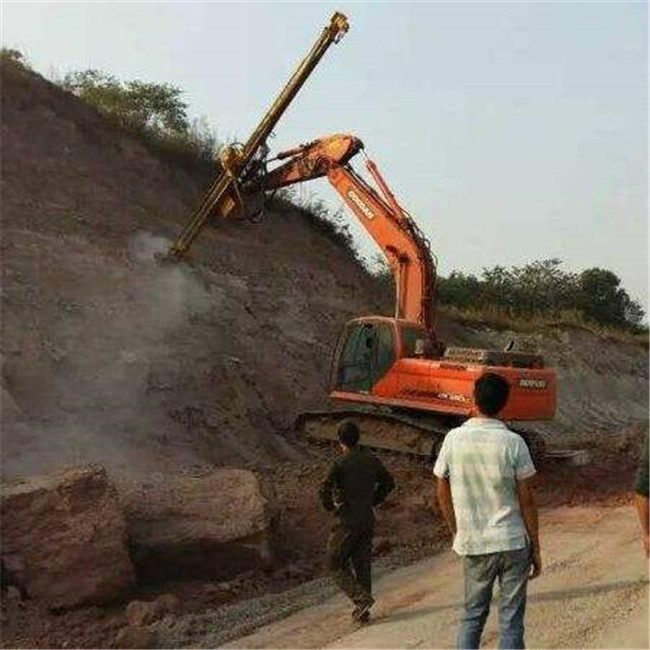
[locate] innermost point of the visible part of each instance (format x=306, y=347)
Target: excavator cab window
x=367, y=354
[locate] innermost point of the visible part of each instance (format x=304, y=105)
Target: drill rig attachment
x=239, y=162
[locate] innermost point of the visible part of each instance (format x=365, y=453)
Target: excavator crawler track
x=398, y=434
x=386, y=432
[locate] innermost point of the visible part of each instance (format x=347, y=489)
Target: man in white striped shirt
x=485, y=492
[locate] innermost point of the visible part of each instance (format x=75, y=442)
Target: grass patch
x=500, y=319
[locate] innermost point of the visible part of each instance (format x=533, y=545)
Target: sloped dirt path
x=593, y=594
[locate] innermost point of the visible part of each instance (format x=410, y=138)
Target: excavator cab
x=368, y=349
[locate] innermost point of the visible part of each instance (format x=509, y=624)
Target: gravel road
x=593, y=594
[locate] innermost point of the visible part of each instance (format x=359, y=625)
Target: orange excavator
x=393, y=375
x=398, y=380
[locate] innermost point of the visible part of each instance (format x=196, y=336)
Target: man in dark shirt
x=641, y=497
x=356, y=482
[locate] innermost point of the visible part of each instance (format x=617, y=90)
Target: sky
x=511, y=131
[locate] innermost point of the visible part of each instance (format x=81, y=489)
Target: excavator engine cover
x=494, y=357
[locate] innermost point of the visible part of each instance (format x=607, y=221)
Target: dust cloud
x=111, y=368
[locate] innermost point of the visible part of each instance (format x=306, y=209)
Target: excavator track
x=383, y=431
x=394, y=433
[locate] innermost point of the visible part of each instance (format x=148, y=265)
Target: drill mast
x=223, y=195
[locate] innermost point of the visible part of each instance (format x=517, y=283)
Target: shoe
x=361, y=613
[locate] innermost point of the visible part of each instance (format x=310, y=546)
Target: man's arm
x=641, y=503
x=442, y=470
x=326, y=491
x=528, y=505
x=384, y=485
x=446, y=504
x=641, y=498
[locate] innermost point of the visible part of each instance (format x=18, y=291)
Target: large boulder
x=64, y=537
x=212, y=526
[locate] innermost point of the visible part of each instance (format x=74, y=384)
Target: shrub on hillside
x=10, y=56
x=154, y=111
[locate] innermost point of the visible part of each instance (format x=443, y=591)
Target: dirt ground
x=409, y=529
x=595, y=581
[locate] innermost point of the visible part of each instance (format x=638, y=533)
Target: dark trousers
x=349, y=558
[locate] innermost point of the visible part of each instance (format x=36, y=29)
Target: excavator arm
x=392, y=228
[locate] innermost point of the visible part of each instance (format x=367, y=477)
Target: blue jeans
x=480, y=571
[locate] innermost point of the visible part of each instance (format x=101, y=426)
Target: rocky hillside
x=109, y=357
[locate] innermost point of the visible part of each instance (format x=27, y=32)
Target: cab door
x=367, y=353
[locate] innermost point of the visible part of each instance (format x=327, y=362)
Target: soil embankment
x=109, y=357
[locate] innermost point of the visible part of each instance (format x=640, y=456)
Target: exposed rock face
x=64, y=537
x=140, y=613
x=212, y=526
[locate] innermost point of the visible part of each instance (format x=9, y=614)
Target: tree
x=136, y=104
x=604, y=301
x=14, y=57
x=542, y=286
x=459, y=290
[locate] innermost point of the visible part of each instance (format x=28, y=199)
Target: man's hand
x=536, y=559
x=528, y=505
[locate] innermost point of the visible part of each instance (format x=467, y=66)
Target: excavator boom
x=405, y=247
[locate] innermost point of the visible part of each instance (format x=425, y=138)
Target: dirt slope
x=111, y=358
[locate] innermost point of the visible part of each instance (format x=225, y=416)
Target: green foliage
x=603, y=300
x=458, y=289
x=541, y=290
x=135, y=104
x=155, y=112
x=544, y=288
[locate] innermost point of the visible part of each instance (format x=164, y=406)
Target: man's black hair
x=491, y=393
x=348, y=434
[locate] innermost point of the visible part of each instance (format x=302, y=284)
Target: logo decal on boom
x=358, y=201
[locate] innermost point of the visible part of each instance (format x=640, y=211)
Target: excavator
x=403, y=386
x=393, y=375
